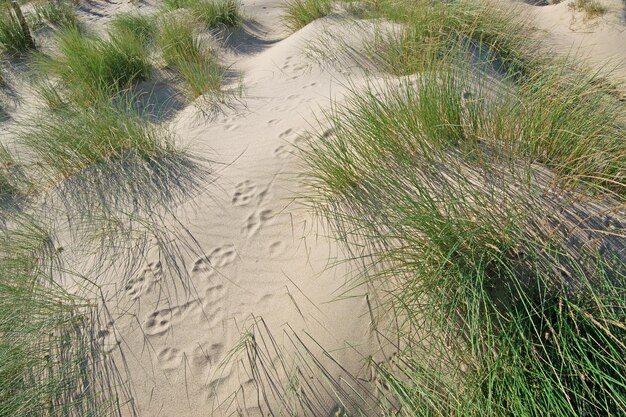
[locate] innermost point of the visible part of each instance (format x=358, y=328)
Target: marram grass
x=48, y=358
x=194, y=61
x=299, y=13
x=89, y=67
x=444, y=183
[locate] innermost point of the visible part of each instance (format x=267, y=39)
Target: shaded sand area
x=241, y=303
x=261, y=270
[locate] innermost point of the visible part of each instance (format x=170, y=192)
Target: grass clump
x=591, y=8
x=183, y=51
x=433, y=28
x=210, y=13
x=500, y=311
x=90, y=67
x=48, y=361
x=141, y=27
x=299, y=13
x=75, y=137
x=215, y=13
x=15, y=38
x=60, y=14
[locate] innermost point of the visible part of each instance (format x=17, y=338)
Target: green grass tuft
x=60, y=14
x=13, y=39
x=591, y=8
x=90, y=67
x=142, y=27
x=183, y=51
x=75, y=138
x=210, y=13
x=299, y=13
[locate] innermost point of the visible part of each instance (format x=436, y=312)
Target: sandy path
x=264, y=256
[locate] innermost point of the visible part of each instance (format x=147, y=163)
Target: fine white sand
x=263, y=282
x=266, y=260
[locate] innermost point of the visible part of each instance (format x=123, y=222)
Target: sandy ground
x=264, y=281
x=263, y=257
x=266, y=271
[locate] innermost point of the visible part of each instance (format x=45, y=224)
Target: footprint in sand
x=143, y=283
x=218, y=258
x=204, y=356
x=286, y=133
x=160, y=321
x=256, y=221
x=170, y=358
x=244, y=192
x=282, y=152
x=276, y=249
x=273, y=122
x=108, y=337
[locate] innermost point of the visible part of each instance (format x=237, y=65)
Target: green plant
x=498, y=313
x=48, y=356
x=214, y=13
x=15, y=37
x=90, y=67
x=299, y=13
x=75, y=137
x=591, y=8
x=142, y=27
x=433, y=29
x=58, y=13
x=182, y=51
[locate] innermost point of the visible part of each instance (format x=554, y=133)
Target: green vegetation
x=74, y=138
x=210, y=13
x=183, y=51
x=299, y=13
x=591, y=8
x=59, y=13
x=90, y=67
x=15, y=36
x=461, y=184
x=453, y=219
x=142, y=27
x=47, y=362
x=215, y=13
x=8, y=187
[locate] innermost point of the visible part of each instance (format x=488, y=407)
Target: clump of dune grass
x=48, y=357
x=142, y=27
x=9, y=177
x=213, y=13
x=591, y=8
x=210, y=13
x=58, y=13
x=108, y=157
x=15, y=36
x=433, y=28
x=77, y=137
x=443, y=184
x=90, y=67
x=299, y=13
x=194, y=61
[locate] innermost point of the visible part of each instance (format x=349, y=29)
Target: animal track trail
x=218, y=258
x=255, y=222
x=247, y=192
x=108, y=337
x=204, y=356
x=160, y=321
x=170, y=358
x=143, y=283
x=244, y=193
